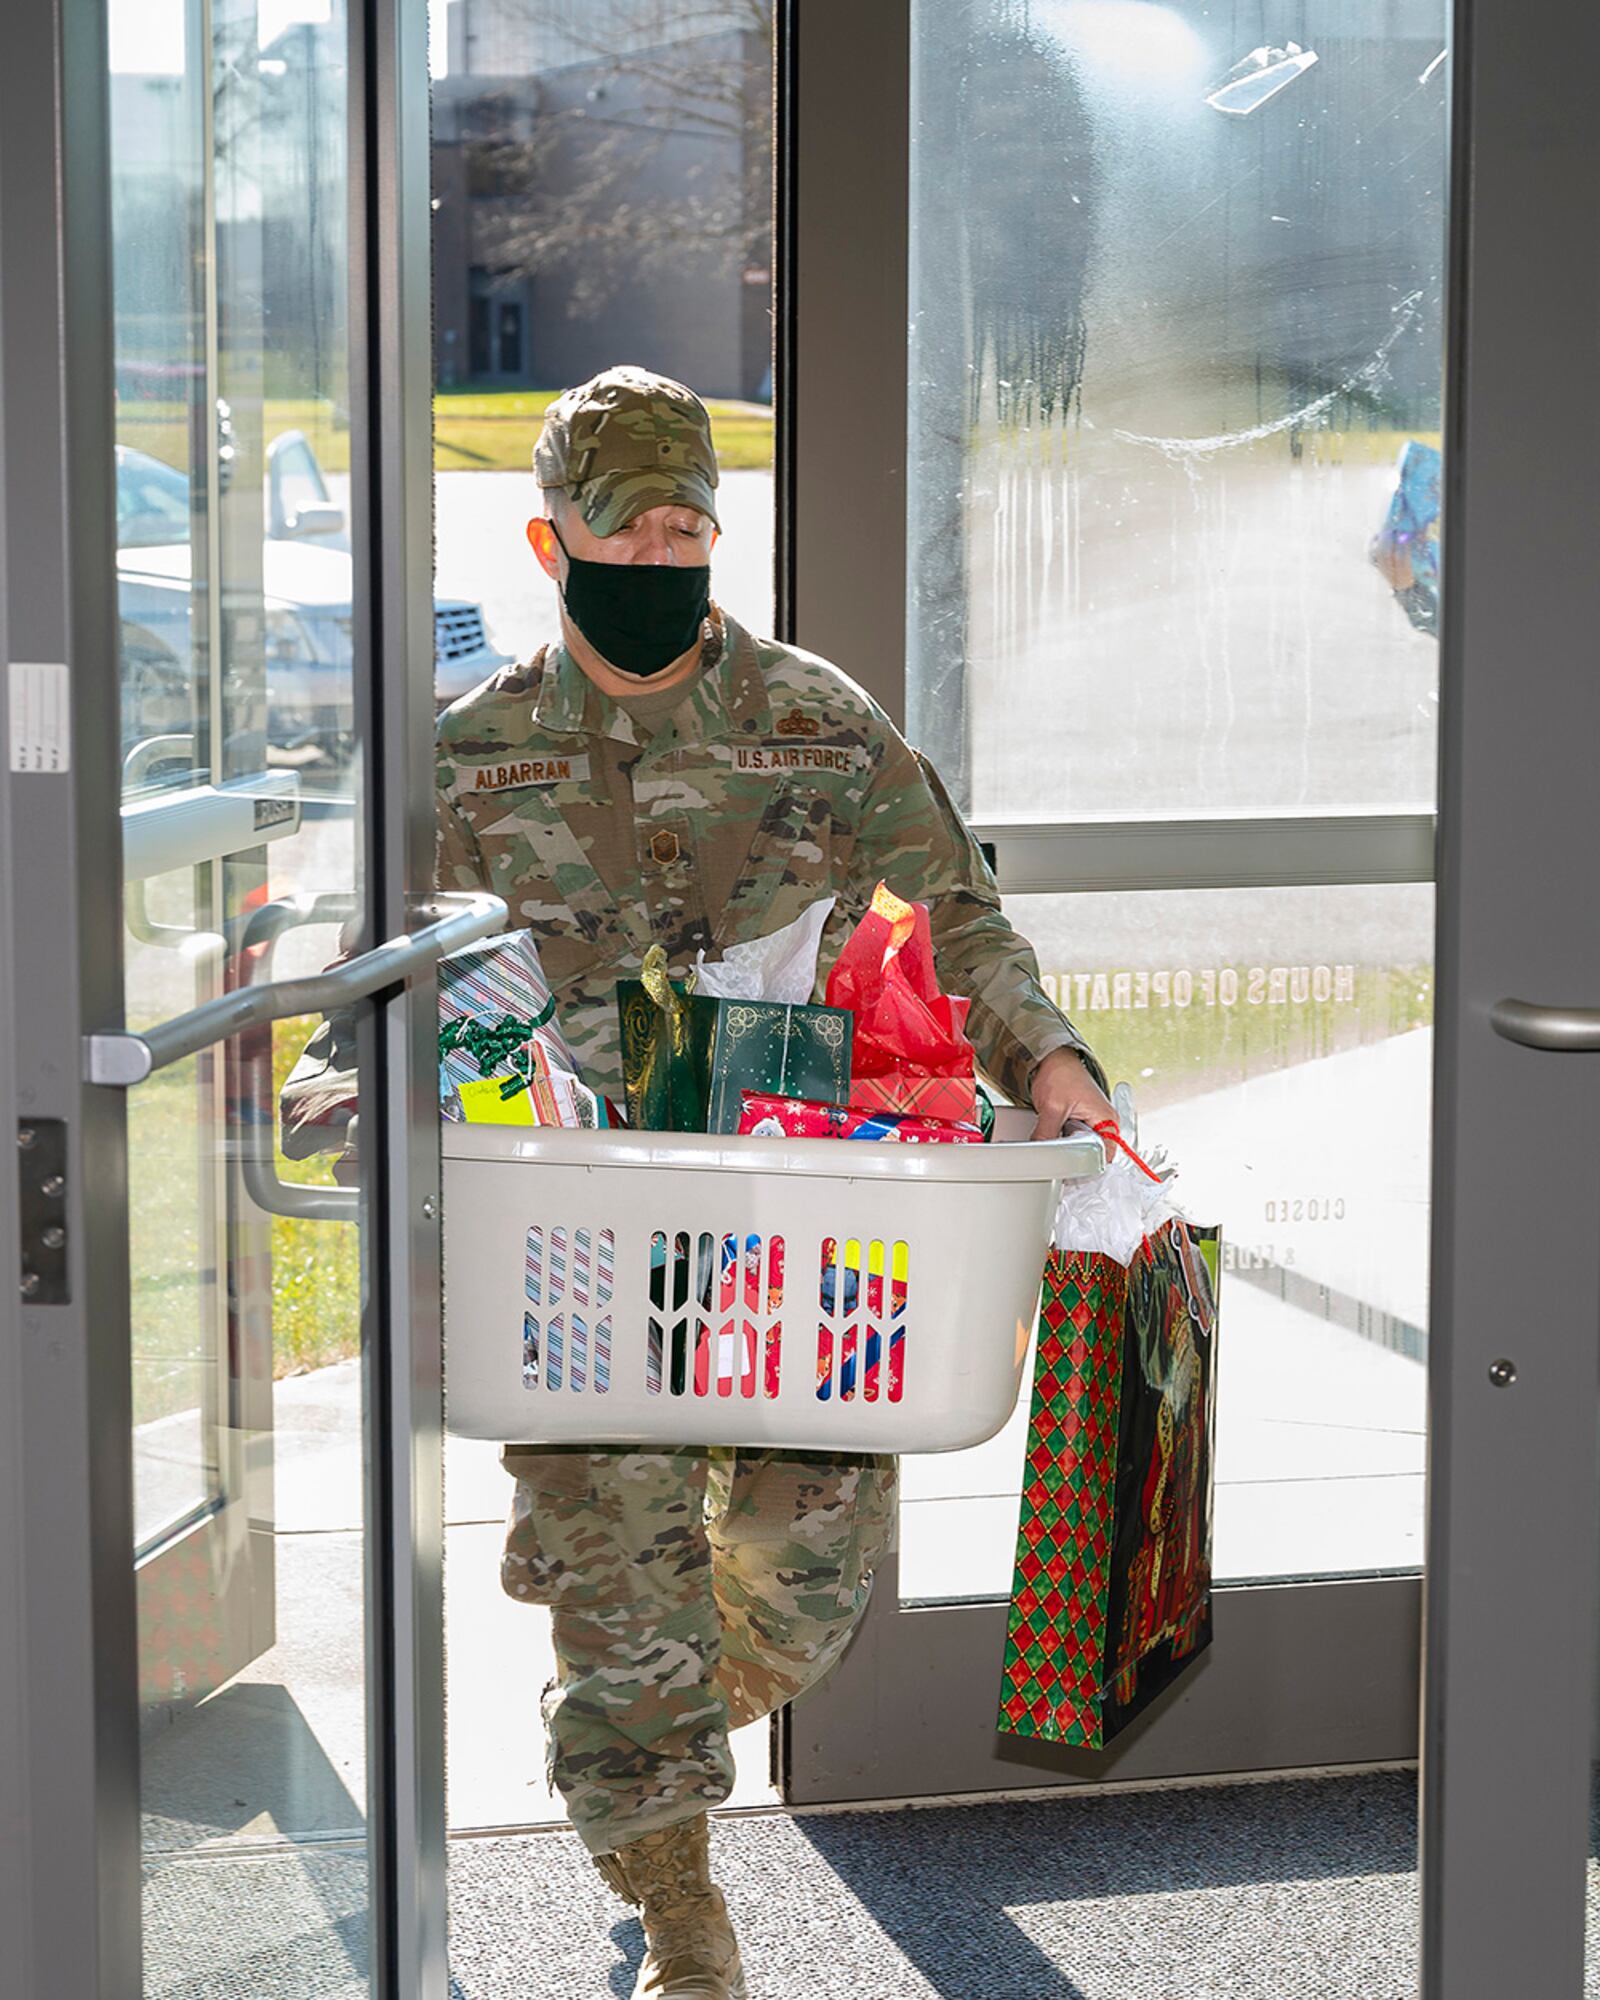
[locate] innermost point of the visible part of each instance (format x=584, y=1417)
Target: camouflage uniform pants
x=691, y=1591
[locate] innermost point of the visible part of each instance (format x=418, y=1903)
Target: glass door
x=243, y=778
x=218, y=809
x=200, y=1352
x=1174, y=371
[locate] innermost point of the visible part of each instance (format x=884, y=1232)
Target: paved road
x=1153, y=634
x=482, y=552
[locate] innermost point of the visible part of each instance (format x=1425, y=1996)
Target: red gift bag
x=910, y=1051
x=1111, y=1598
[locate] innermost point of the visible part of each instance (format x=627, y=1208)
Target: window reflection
x=1176, y=297
x=229, y=128
x=1280, y=1046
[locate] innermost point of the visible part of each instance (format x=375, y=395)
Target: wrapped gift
x=863, y=1290
x=910, y=1050
x=949, y=1099
x=494, y=1005
x=535, y=1092
x=1111, y=1599
x=769, y=1117
x=792, y=1052
x=730, y=1350
x=521, y=1080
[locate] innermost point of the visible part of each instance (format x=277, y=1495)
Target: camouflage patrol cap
x=624, y=441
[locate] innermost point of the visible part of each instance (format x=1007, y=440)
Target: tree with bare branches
x=644, y=146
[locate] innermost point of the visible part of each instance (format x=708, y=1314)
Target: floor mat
x=1302, y=1890
x=1249, y=1892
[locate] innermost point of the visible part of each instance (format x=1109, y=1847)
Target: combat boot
x=691, y=1952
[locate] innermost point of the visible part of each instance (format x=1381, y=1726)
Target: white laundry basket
x=676, y=1288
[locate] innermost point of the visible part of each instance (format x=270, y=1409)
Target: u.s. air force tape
x=772, y=758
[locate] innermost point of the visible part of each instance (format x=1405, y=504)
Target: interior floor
x=1242, y=1892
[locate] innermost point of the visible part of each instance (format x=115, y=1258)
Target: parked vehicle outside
x=308, y=596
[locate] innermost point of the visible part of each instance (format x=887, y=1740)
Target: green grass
x=170, y=1301
x=473, y=431
x=484, y=433
x=162, y=429
x=176, y=1313
x=1171, y=1054
x=316, y=1273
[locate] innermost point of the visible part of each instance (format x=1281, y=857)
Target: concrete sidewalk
x=1319, y=1176
x=280, y=1753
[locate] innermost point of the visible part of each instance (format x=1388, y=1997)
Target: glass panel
x=562, y=247
x=173, y=1206
x=1172, y=328
x=229, y=137
x=1279, y=1043
x=568, y=244
x=158, y=211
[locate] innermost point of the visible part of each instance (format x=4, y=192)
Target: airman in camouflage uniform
x=777, y=782
x=691, y=1592
x=694, y=1591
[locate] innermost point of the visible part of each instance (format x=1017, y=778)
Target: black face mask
x=639, y=617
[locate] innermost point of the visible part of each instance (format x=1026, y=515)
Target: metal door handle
x=258, y=1126
x=1570, y=1028
x=122, y=1059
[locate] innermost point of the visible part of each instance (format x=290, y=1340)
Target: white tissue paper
x=1114, y=1211
x=781, y=967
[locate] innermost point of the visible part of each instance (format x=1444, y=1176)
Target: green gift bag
x=687, y=1058
x=1111, y=1598
x=667, y=1033
x=782, y=1051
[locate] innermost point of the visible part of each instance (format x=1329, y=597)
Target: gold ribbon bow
x=653, y=978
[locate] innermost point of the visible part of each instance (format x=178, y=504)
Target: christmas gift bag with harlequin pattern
x=1111, y=1600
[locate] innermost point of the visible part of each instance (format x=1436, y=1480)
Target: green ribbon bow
x=493, y=1041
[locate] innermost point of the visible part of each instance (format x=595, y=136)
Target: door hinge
x=42, y=1181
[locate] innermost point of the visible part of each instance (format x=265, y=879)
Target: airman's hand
x=1064, y=1090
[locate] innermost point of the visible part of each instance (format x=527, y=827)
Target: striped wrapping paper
x=501, y=976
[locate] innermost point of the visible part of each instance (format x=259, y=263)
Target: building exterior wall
x=529, y=37
x=669, y=267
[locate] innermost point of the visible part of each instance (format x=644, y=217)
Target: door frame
x=68, y=1673
x=1514, y=1470
x=391, y=465
x=70, y=1857
x=845, y=302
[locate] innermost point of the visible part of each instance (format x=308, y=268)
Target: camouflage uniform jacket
x=777, y=781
